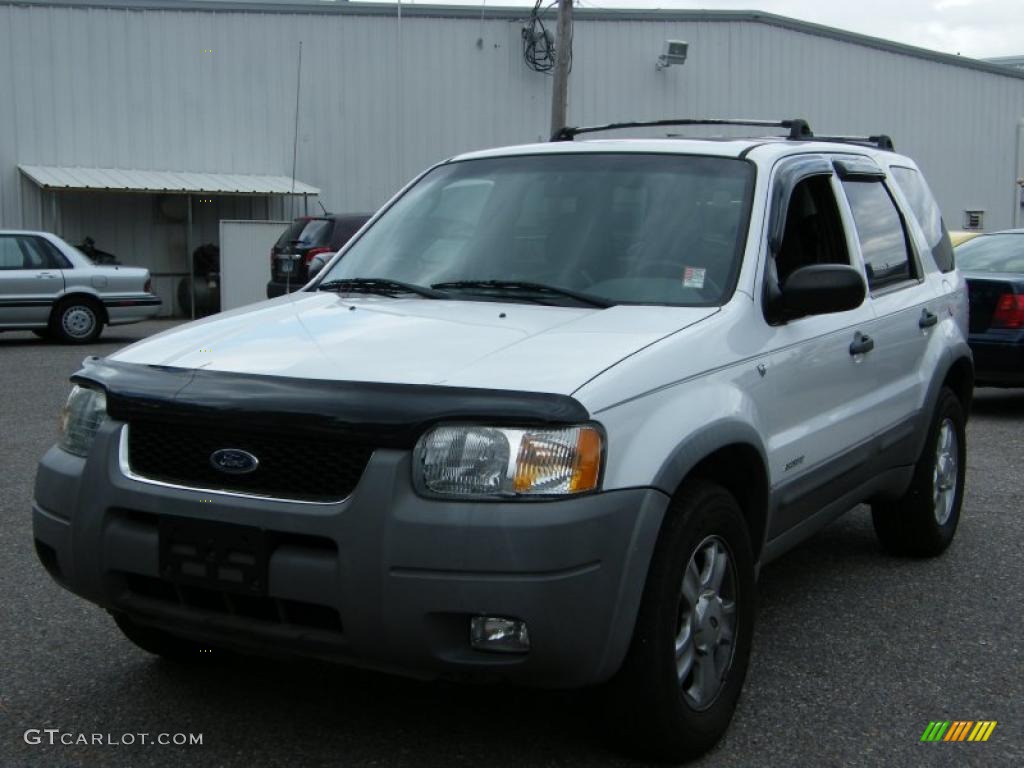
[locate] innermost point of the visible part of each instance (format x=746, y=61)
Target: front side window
x=928, y=215
x=883, y=240
x=20, y=253
x=10, y=254
x=814, y=231
x=624, y=228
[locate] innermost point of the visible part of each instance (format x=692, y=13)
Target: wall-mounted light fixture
x=674, y=52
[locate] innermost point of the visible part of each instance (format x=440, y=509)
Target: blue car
x=994, y=267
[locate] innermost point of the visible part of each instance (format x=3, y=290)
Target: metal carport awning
x=57, y=178
x=74, y=178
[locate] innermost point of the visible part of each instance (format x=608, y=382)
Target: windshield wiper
x=379, y=286
x=519, y=286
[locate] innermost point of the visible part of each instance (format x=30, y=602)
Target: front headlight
x=458, y=460
x=83, y=413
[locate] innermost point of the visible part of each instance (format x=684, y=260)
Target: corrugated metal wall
x=135, y=89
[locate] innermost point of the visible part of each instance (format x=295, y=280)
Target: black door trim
x=801, y=498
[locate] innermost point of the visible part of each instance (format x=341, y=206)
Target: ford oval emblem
x=234, y=461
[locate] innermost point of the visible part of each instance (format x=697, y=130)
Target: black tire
x=923, y=522
x=77, y=320
x=161, y=643
x=650, y=708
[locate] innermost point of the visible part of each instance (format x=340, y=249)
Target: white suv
x=541, y=421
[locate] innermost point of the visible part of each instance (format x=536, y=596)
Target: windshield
x=992, y=253
x=625, y=228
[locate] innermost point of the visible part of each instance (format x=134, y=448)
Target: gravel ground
x=855, y=652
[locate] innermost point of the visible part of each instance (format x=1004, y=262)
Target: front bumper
x=401, y=575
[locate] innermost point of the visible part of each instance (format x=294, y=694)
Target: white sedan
x=54, y=290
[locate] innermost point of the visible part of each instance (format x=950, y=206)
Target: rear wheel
x=77, y=320
x=161, y=643
x=923, y=522
x=676, y=692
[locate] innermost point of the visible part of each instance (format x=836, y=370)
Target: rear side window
x=343, y=231
x=928, y=215
x=883, y=240
x=306, y=232
x=35, y=256
x=54, y=258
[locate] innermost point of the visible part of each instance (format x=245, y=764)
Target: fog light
x=494, y=633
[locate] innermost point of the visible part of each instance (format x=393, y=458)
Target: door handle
x=928, y=319
x=861, y=343
x=47, y=275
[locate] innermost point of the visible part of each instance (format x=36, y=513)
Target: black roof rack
x=799, y=129
x=881, y=141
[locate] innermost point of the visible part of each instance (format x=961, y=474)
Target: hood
x=416, y=341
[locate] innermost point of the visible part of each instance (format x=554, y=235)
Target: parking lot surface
x=855, y=652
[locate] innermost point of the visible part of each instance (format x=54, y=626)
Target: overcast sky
x=977, y=28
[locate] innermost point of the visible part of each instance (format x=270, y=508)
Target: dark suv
x=307, y=237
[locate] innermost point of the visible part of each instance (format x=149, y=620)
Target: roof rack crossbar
x=798, y=128
x=881, y=141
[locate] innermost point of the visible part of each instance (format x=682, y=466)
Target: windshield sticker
x=693, y=277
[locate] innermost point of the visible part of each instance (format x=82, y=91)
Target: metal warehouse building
x=142, y=123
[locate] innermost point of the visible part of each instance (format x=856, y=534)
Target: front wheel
x=676, y=692
x=923, y=522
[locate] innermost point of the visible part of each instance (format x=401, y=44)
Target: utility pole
x=563, y=57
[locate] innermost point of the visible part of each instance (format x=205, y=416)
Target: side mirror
x=818, y=289
x=316, y=264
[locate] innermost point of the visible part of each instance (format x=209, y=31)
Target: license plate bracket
x=214, y=555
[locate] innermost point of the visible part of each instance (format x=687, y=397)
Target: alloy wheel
x=705, y=640
x=946, y=471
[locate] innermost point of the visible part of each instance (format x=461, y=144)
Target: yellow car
x=958, y=236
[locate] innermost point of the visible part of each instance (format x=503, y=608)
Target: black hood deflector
x=369, y=413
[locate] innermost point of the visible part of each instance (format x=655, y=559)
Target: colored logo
x=234, y=461
x=958, y=730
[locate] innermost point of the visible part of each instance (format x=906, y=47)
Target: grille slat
x=303, y=469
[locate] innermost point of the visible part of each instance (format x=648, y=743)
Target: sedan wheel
x=77, y=322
